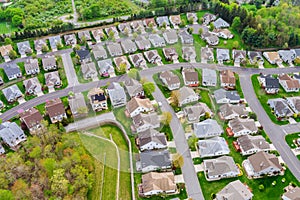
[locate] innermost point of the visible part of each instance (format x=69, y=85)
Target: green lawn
x=238, y=86
x=6, y=27
x=290, y=139
x=161, y=86
x=205, y=98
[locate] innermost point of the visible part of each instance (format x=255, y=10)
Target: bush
x=261, y=187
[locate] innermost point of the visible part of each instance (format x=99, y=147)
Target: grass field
x=291, y=138
x=6, y=27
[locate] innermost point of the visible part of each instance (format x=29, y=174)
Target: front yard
x=290, y=139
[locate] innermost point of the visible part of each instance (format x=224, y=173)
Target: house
x=209, y=77
x=125, y=28
x=156, y=40
x=99, y=52
x=269, y=83
x=39, y=44
x=149, y=23
x=255, y=57
x=238, y=56
x=152, y=56
x=31, y=66
x=106, y=68
x=170, y=80
x=272, y=57
x=49, y=63
x=223, y=33
x=195, y=112
x=155, y=183
x=220, y=168
x=223, y=55
x=191, y=16
x=224, y=96
x=97, y=99
x=163, y=21
x=114, y=49
x=185, y=37
x=207, y=18
x=175, y=21
x=229, y=111
x=12, y=93
x=54, y=42
x=216, y=146
x=136, y=106
x=52, y=79
x=138, y=26
x=4, y=50
x=112, y=29
x=133, y=88
x=128, y=46
x=210, y=38
x=280, y=107
x=2, y=150
x=151, y=139
x=24, y=48
x=142, y=122
x=1, y=82
x=297, y=51
x=12, y=71
x=138, y=60
x=288, y=83
x=186, y=95
x=170, y=54
x=142, y=43
x=292, y=194
x=220, y=23
x=261, y=164
x=77, y=105
x=122, y=60
x=12, y=134
x=227, y=79
x=207, y=128
x=84, y=36
x=294, y=103
x=207, y=54
x=235, y=190
x=190, y=77
x=32, y=119
x=89, y=70
x=84, y=55
x=170, y=36
x=97, y=34
x=249, y=144
x=116, y=95
x=154, y=160
x=241, y=127
x=32, y=86
x=189, y=53
x=70, y=40
x=56, y=110
x=288, y=56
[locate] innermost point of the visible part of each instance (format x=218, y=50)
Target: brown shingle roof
x=31, y=117
x=158, y=181
x=55, y=107
x=227, y=76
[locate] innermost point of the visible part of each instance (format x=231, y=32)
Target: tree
x=12, y=54
x=71, y=94
x=21, y=190
x=126, y=31
x=111, y=35
x=133, y=73
x=17, y=20
x=6, y=194
x=235, y=44
x=166, y=118
x=77, y=47
x=123, y=68
x=200, y=31
x=261, y=187
x=45, y=48
x=211, y=26
x=178, y=160
x=134, y=35
x=192, y=142
x=1, y=120
x=191, y=20
x=8, y=41
x=59, y=45
x=59, y=184
x=207, y=115
x=149, y=88
x=33, y=55
x=175, y=96
x=236, y=24
x=190, y=30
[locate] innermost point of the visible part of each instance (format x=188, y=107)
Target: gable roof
x=185, y=92
x=262, y=160
x=280, y=106
x=170, y=77
x=158, y=181
x=160, y=158
x=4, y=50
x=115, y=91
x=11, y=133
x=221, y=165
x=85, y=34
x=220, y=23
x=293, y=194
x=248, y=142
x=12, y=92
x=151, y=135
x=231, y=95
x=135, y=103
x=55, y=107
x=133, y=87
x=206, y=128
x=235, y=190
x=223, y=54
x=49, y=61
x=11, y=69
x=31, y=117
x=229, y=109
x=52, y=78
x=190, y=75
x=77, y=102
x=209, y=75
x=213, y=146
x=227, y=76
x=239, y=124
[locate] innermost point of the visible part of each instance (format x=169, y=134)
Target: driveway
x=69, y=70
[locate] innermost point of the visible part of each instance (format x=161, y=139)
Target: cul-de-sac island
x=150, y=99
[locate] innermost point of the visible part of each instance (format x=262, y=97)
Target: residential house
x=114, y=49
x=297, y=51
x=186, y=95
x=52, y=79
x=154, y=160
x=84, y=55
x=136, y=106
x=12, y=71
x=229, y=111
x=12, y=93
x=138, y=26
x=255, y=57
x=56, y=110
x=170, y=36
x=138, y=60
x=153, y=57
x=189, y=53
x=185, y=37
x=4, y=50
x=70, y=40
x=175, y=21
x=49, y=63
x=292, y=194
x=122, y=60
x=280, y=107
x=12, y=134
x=31, y=66
x=238, y=56
x=191, y=16
x=98, y=99
x=155, y=183
x=223, y=55
x=1, y=82
x=249, y=144
x=294, y=103
x=32, y=86
x=106, y=68
x=116, y=95
x=223, y=33
x=207, y=128
x=89, y=70
x=170, y=54
x=156, y=40
x=207, y=18
x=261, y=164
x=272, y=57
x=84, y=36
x=112, y=29
x=288, y=83
x=219, y=168
x=162, y=21
x=209, y=77
x=288, y=56
x=269, y=83
x=32, y=119
x=216, y=146
x=133, y=88
x=24, y=48
x=224, y=96
x=99, y=52
x=39, y=44
x=98, y=34
x=150, y=23
x=227, y=79
x=77, y=105
x=142, y=43
x=170, y=80
x=142, y=122
x=210, y=38
x=207, y=54
x=241, y=127
x=125, y=28
x=190, y=77
x=220, y=23
x=235, y=190
x=2, y=150
x=195, y=112
x=128, y=46
x=54, y=42
x=151, y=139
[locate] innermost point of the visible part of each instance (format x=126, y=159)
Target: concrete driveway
x=199, y=168
x=69, y=70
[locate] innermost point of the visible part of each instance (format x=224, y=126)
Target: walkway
x=69, y=70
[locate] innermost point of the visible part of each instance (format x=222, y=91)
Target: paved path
x=69, y=70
